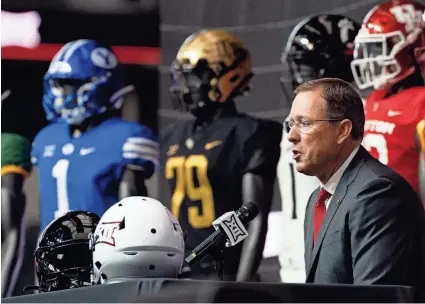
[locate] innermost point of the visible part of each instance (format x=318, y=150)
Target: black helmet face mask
x=63, y=259
x=192, y=87
x=64, y=267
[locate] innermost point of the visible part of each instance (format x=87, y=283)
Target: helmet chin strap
x=207, y=112
x=413, y=80
x=91, y=122
x=213, y=111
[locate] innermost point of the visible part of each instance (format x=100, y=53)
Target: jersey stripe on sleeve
x=141, y=148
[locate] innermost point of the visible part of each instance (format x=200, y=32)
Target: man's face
x=315, y=142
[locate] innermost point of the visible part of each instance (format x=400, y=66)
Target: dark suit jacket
x=373, y=232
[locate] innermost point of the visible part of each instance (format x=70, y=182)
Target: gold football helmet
x=211, y=66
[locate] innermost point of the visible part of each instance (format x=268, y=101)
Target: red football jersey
x=391, y=125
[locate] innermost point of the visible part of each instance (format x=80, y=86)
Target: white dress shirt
x=332, y=183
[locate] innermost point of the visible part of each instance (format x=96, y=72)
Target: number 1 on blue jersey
x=60, y=172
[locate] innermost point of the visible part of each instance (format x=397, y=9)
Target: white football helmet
x=138, y=237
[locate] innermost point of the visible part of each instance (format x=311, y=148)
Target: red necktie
x=319, y=211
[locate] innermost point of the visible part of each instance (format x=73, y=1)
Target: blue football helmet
x=84, y=79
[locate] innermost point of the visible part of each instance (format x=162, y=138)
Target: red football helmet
x=390, y=41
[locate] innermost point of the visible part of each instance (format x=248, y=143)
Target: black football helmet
x=320, y=46
x=63, y=259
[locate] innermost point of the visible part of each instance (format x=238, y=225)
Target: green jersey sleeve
x=15, y=154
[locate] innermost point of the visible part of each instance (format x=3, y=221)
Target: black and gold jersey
x=204, y=168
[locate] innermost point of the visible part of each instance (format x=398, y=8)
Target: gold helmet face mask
x=211, y=67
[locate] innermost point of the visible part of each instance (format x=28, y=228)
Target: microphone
x=218, y=239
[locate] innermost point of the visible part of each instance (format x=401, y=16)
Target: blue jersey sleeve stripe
x=139, y=156
x=143, y=140
x=137, y=148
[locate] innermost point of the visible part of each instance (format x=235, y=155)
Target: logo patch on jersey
x=172, y=150
x=106, y=232
x=49, y=151
x=375, y=107
x=68, y=149
x=392, y=113
x=189, y=143
x=5, y=95
x=104, y=58
x=85, y=151
x=213, y=144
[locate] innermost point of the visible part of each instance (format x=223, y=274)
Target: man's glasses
x=304, y=126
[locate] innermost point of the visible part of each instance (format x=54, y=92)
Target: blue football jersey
x=83, y=173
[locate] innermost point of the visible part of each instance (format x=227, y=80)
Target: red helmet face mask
x=389, y=44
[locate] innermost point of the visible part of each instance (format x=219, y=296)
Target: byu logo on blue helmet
x=104, y=58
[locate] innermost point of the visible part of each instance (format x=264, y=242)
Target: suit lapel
x=340, y=192
x=336, y=199
x=309, y=227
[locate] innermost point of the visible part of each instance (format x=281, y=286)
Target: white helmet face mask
x=136, y=238
x=375, y=63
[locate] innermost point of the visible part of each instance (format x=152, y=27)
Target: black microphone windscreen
x=248, y=212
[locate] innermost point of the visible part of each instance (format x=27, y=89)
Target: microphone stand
x=219, y=263
x=215, y=244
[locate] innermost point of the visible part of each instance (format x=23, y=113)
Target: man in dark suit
x=365, y=224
